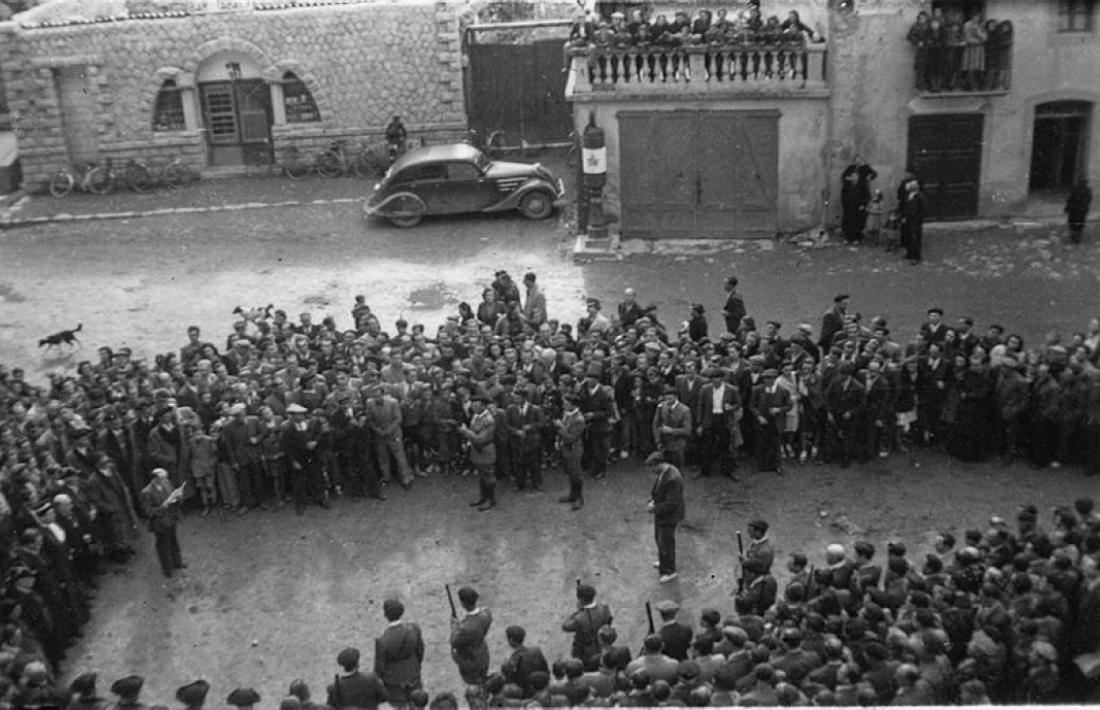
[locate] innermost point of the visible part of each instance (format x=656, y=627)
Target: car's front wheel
x=407, y=212
x=536, y=204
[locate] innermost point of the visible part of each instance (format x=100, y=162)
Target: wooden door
x=945, y=153
x=219, y=108
x=699, y=174
x=79, y=119
x=254, y=111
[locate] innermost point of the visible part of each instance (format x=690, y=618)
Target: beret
x=128, y=686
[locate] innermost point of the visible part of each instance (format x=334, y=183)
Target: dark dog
x=62, y=336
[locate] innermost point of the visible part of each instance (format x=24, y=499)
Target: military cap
x=194, y=693
x=667, y=606
x=84, y=684
x=128, y=687
x=243, y=697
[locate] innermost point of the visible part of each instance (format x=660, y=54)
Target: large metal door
x=698, y=174
x=79, y=120
x=945, y=153
x=518, y=88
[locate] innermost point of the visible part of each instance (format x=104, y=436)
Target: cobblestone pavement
x=272, y=596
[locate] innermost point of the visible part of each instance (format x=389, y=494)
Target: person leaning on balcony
x=998, y=54
x=920, y=36
x=973, y=59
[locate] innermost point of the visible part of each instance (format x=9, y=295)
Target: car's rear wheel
x=536, y=204
x=405, y=212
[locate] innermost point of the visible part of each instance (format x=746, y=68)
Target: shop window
x=168, y=108
x=1076, y=15
x=298, y=101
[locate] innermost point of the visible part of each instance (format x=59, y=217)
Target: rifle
x=741, y=553
x=649, y=617
x=454, y=614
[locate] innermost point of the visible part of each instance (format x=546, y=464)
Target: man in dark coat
x=525, y=421
x=844, y=403
x=585, y=624
x=300, y=441
x=717, y=413
x=355, y=689
x=524, y=661
x=769, y=407
x=666, y=502
x=734, y=309
x=468, y=631
x=912, y=210
x=833, y=321
x=571, y=434
x=1077, y=209
x=676, y=635
x=597, y=406
x=398, y=654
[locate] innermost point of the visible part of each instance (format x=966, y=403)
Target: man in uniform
x=770, y=404
x=571, y=433
x=480, y=432
x=354, y=689
x=585, y=624
x=672, y=426
x=161, y=502
x=468, y=631
x=597, y=406
x=666, y=502
x=760, y=556
x=398, y=654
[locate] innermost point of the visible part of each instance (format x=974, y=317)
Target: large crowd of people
x=285, y=412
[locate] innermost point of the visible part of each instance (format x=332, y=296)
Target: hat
x=193, y=693
x=84, y=684
x=628, y=291
x=840, y=297
x=81, y=430
x=667, y=606
x=769, y=373
x=480, y=398
x=296, y=409
x=128, y=687
x=715, y=372
x=237, y=408
x=243, y=697
x=937, y=310
x=655, y=458
x=594, y=370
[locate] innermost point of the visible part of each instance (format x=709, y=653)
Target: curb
x=8, y=221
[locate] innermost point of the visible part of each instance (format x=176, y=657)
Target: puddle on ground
x=432, y=297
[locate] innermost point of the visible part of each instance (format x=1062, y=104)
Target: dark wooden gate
x=945, y=153
x=518, y=87
x=699, y=174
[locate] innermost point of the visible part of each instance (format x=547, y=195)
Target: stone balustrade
x=708, y=68
x=713, y=68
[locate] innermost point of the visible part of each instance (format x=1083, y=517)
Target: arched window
x=168, y=108
x=299, y=103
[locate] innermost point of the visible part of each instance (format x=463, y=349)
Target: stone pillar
x=278, y=106
x=189, y=98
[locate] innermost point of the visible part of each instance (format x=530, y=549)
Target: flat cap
x=193, y=693
x=296, y=409
x=667, y=606
x=243, y=697
x=127, y=687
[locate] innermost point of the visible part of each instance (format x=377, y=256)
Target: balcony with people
x=956, y=54
x=710, y=53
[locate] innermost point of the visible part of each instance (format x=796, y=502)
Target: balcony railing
x=707, y=68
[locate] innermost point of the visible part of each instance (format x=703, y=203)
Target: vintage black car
x=453, y=178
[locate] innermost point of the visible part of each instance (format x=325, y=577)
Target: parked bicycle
x=366, y=162
x=174, y=173
x=297, y=166
x=91, y=178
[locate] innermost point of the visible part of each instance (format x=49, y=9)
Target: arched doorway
x=236, y=110
x=1059, y=145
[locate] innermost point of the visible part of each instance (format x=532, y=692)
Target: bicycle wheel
x=175, y=176
x=138, y=178
x=99, y=180
x=62, y=183
x=330, y=164
x=297, y=169
x=368, y=164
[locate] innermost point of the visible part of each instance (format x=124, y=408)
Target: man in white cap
x=300, y=440
x=161, y=502
x=839, y=567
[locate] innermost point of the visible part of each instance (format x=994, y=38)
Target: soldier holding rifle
x=585, y=624
x=468, y=631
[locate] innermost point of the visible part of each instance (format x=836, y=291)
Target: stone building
x=695, y=149
x=227, y=82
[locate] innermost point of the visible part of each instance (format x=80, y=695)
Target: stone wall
x=363, y=63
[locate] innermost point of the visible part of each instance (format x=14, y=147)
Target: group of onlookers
x=957, y=53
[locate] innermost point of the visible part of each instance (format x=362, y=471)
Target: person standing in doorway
x=912, y=209
x=1077, y=210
